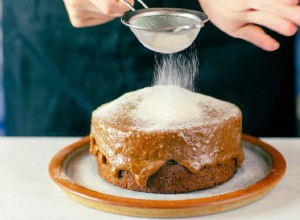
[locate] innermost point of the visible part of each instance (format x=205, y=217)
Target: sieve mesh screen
x=162, y=21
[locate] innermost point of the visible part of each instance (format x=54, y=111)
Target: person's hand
x=243, y=18
x=84, y=13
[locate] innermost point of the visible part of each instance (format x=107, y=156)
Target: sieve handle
x=143, y=3
x=131, y=7
x=200, y=25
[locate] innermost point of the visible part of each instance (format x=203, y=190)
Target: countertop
x=27, y=191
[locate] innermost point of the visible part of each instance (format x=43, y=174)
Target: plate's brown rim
x=266, y=184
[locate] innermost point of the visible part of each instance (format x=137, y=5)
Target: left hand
x=85, y=13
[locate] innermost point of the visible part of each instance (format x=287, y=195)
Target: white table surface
x=27, y=191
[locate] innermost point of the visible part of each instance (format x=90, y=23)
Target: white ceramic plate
x=75, y=171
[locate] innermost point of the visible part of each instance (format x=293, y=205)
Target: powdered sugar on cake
x=166, y=107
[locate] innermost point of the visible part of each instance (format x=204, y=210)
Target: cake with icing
x=166, y=139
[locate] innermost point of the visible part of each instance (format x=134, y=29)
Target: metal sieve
x=164, y=30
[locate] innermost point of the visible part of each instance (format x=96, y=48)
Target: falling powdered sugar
x=171, y=103
x=180, y=69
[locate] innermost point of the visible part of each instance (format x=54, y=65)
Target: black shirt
x=56, y=75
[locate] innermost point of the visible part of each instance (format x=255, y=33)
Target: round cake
x=166, y=139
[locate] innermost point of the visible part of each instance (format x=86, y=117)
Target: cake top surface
x=165, y=107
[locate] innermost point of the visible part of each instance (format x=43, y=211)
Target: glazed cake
x=165, y=139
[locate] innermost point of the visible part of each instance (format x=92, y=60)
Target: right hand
x=85, y=13
x=245, y=18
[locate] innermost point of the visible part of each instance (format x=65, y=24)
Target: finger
x=83, y=14
x=288, y=9
x=111, y=7
x=289, y=2
x=80, y=5
x=265, y=4
x=257, y=36
x=275, y=23
x=88, y=22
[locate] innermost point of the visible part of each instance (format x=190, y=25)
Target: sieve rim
x=187, y=13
